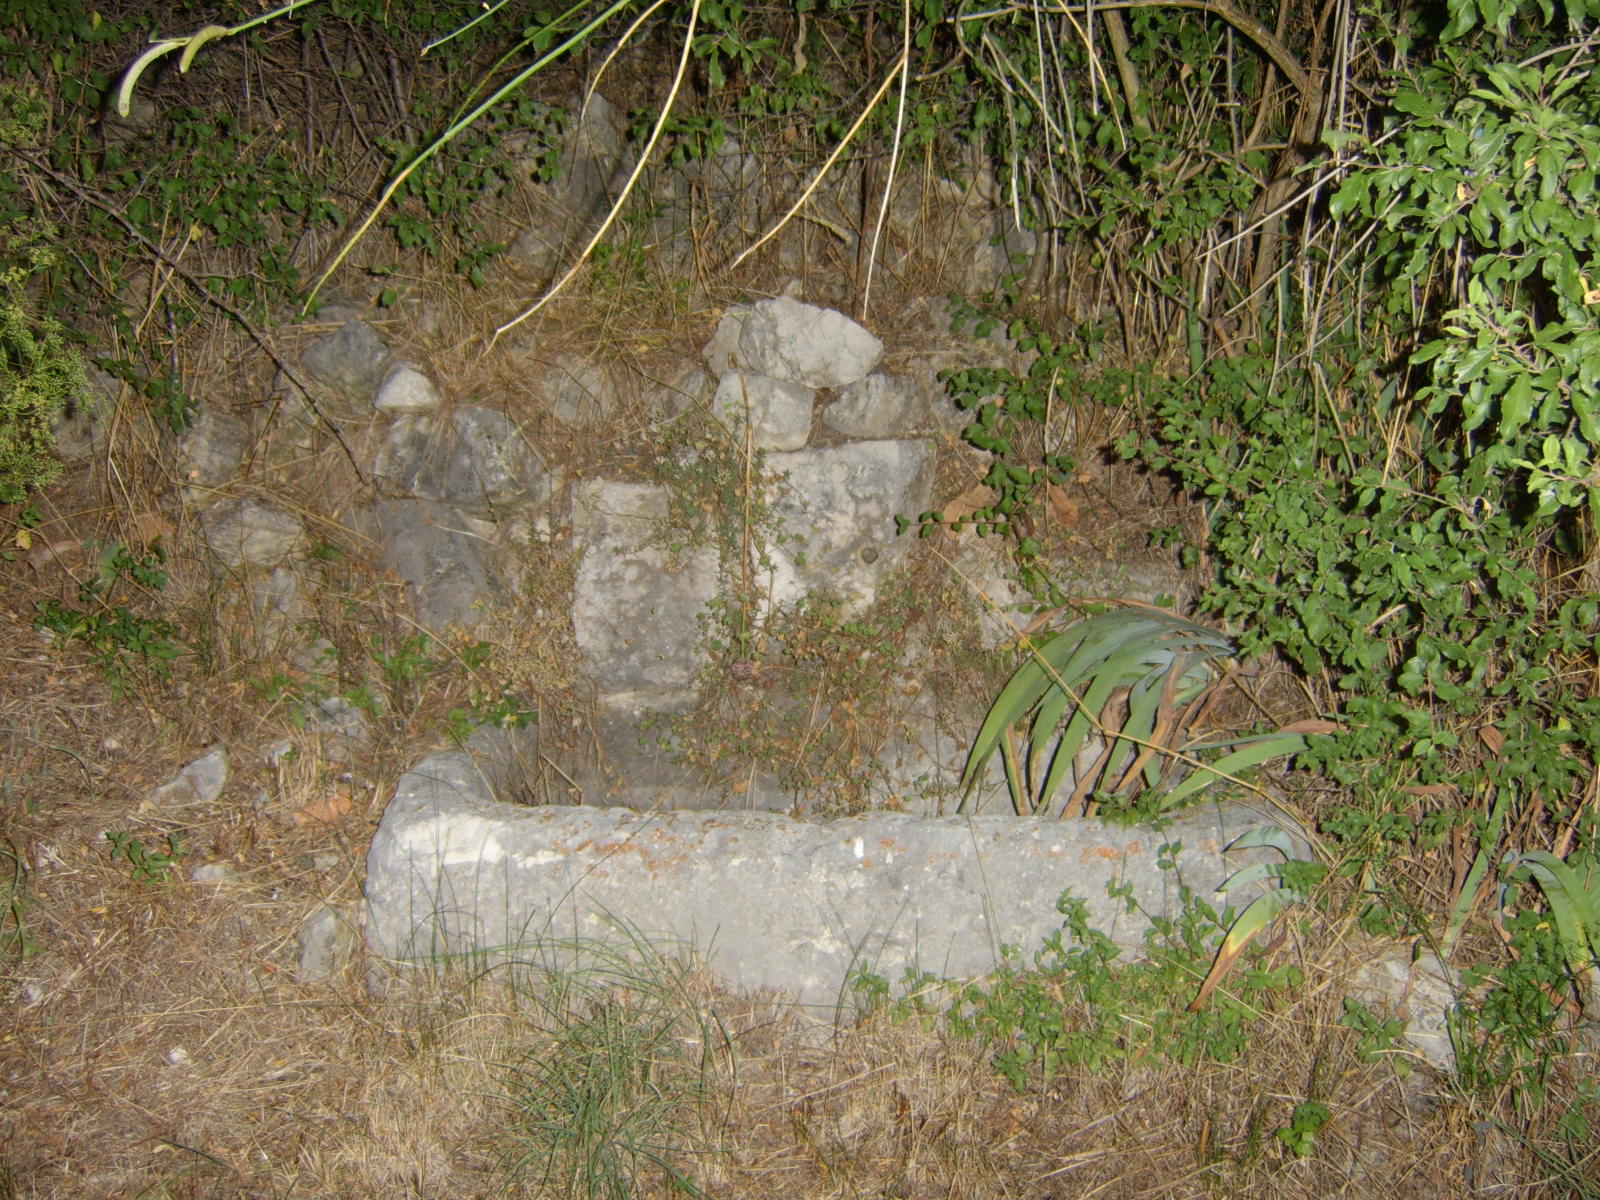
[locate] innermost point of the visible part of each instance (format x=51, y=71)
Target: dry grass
x=158, y=1041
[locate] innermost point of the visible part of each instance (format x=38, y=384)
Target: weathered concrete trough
x=766, y=900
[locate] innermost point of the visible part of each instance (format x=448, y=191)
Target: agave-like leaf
x=1144, y=704
x=1574, y=903
x=1258, y=914
x=1252, y=873
x=1265, y=837
x=1059, y=696
x=1251, y=754
x=1019, y=696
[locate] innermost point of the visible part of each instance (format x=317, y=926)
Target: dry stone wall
x=839, y=447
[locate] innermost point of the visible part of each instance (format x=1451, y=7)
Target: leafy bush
x=40, y=373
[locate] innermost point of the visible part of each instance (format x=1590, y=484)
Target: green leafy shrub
x=1075, y=1005
x=40, y=372
x=145, y=864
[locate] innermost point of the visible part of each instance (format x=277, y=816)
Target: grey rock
x=316, y=655
x=677, y=392
x=593, y=158
x=768, y=900
x=201, y=782
x=406, y=390
x=777, y=414
x=280, y=604
x=474, y=458
x=118, y=130
x=722, y=351
x=216, y=872
x=242, y=532
x=875, y=407
x=279, y=754
x=80, y=431
x=537, y=248
x=997, y=247
x=326, y=943
x=800, y=343
x=636, y=607
x=211, y=449
x=352, y=359
x=632, y=763
x=1422, y=991
x=982, y=567
x=719, y=192
x=837, y=506
x=344, y=727
x=428, y=546
x=597, y=152
x=580, y=391
x=919, y=768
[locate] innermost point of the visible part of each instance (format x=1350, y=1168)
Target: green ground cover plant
x=112, y=619
x=41, y=372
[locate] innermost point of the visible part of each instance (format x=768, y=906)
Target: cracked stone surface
x=768, y=900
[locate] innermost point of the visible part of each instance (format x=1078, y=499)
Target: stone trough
x=766, y=900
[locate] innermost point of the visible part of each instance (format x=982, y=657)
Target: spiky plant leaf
x=1252, y=754
x=1147, y=663
x=1574, y=901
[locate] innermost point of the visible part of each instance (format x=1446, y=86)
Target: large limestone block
x=439, y=556
x=776, y=414
x=352, y=359
x=636, y=604
x=475, y=458
x=769, y=901
x=245, y=533
x=838, y=507
x=786, y=339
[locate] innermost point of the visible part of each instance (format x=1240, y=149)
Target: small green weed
x=1076, y=1006
x=808, y=697
x=1579, y=1123
x=436, y=203
x=1307, y=1120
x=405, y=666
x=1376, y=1034
x=1017, y=421
x=145, y=864
x=121, y=640
x=40, y=370
x=1510, y=1038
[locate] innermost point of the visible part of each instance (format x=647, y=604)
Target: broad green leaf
x=1259, y=914
x=1252, y=873
x=1250, y=755
x=1273, y=837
